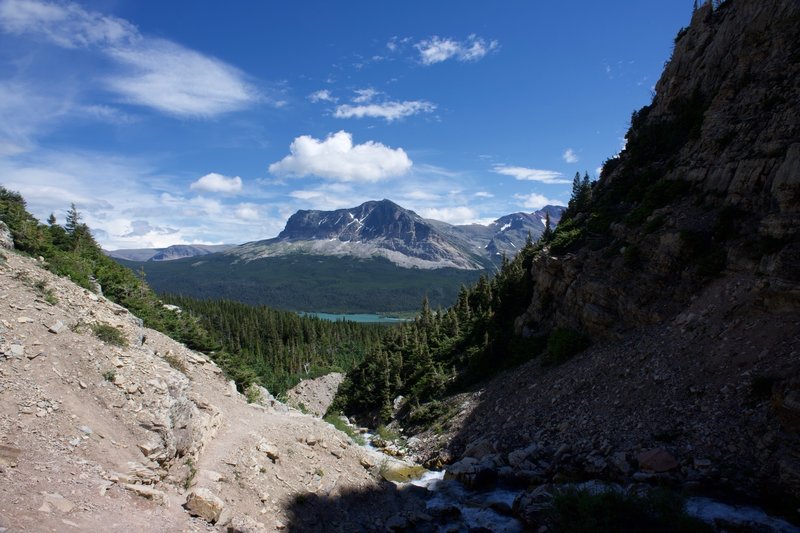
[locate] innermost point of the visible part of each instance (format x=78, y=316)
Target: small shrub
x=177, y=363
x=564, y=241
x=109, y=334
x=109, y=375
x=342, y=426
x=386, y=434
x=192, y=473
x=252, y=394
x=564, y=343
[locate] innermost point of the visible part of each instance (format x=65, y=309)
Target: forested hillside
x=278, y=348
x=252, y=344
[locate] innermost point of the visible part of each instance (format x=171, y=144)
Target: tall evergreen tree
x=547, y=234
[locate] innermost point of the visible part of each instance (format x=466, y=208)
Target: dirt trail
x=98, y=437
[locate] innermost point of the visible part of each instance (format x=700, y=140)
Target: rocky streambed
x=518, y=493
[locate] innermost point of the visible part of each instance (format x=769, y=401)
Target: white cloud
x=155, y=73
x=390, y=111
x=214, y=182
x=337, y=158
x=535, y=201
x=67, y=25
x=127, y=203
x=570, y=156
x=247, y=212
x=365, y=95
x=451, y=215
x=484, y=194
x=418, y=195
x=323, y=95
x=531, y=174
x=437, y=49
x=178, y=81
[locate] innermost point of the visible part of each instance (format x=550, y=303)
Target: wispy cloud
x=570, y=156
x=365, y=95
x=535, y=200
x=214, y=182
x=337, y=158
x=154, y=73
x=389, y=111
x=366, y=106
x=551, y=177
x=452, y=215
x=323, y=95
x=437, y=49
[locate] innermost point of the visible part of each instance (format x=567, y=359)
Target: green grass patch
x=109, y=334
x=344, y=427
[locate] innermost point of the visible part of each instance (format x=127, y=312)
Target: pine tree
x=547, y=234
x=73, y=219
x=51, y=220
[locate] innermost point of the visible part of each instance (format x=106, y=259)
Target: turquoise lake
x=366, y=318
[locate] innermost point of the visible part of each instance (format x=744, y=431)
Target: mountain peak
x=385, y=229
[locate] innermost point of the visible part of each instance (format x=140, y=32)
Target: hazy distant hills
x=377, y=256
x=176, y=251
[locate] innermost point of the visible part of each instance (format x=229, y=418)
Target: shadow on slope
x=367, y=509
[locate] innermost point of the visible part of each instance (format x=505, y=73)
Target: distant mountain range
x=376, y=257
x=385, y=229
x=176, y=251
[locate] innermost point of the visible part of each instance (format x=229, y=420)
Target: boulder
x=657, y=460
x=270, y=450
x=205, y=504
x=472, y=473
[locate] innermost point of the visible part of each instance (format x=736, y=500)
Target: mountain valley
x=634, y=367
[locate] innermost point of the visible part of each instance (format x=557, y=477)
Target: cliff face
x=708, y=185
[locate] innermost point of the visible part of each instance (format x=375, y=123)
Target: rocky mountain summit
x=385, y=229
x=109, y=426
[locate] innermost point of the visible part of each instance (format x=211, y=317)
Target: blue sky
x=209, y=122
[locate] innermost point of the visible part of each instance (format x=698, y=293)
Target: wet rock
x=472, y=473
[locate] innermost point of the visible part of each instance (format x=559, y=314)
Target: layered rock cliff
x=708, y=185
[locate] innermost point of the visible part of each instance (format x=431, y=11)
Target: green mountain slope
x=303, y=282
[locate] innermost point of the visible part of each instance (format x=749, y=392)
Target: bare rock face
x=709, y=183
x=6, y=240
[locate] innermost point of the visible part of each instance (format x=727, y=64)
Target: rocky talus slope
x=687, y=278
x=315, y=395
x=148, y=436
